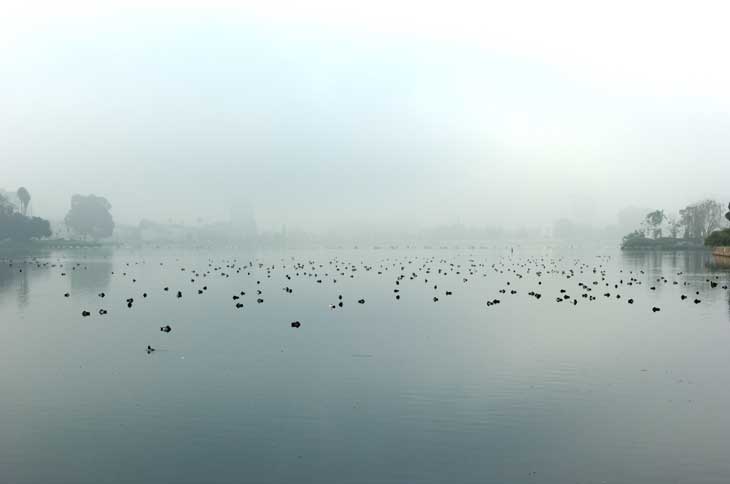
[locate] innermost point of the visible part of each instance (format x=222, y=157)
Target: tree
x=701, y=218
x=6, y=208
x=654, y=221
x=89, y=216
x=727, y=214
x=718, y=238
x=633, y=238
x=24, y=197
x=674, y=225
x=16, y=226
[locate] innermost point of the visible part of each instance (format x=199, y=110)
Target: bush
x=15, y=226
x=634, y=238
x=718, y=238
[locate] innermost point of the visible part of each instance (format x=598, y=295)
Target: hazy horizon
x=388, y=116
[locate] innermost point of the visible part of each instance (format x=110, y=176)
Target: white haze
x=334, y=115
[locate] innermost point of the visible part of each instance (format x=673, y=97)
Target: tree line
x=88, y=217
x=17, y=225
x=694, y=222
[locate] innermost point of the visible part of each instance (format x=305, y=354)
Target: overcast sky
x=339, y=114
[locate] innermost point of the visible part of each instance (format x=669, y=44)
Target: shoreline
x=721, y=251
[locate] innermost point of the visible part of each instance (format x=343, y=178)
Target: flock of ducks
x=581, y=281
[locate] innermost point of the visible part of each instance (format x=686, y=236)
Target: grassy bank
x=662, y=243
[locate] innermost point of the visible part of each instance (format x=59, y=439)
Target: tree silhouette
x=701, y=219
x=15, y=226
x=6, y=208
x=89, y=216
x=24, y=197
x=654, y=220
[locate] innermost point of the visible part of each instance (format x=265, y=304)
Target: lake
x=407, y=390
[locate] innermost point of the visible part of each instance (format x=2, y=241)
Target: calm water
x=390, y=391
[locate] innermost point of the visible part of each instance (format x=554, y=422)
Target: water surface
x=390, y=391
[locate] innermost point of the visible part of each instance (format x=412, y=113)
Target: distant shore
x=49, y=244
x=663, y=243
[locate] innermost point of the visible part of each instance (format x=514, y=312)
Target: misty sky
x=337, y=114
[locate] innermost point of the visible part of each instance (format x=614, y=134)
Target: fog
x=380, y=116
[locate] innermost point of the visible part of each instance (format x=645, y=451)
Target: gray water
x=390, y=391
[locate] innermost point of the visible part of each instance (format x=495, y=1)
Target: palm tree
x=24, y=197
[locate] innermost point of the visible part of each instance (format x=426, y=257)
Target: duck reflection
x=87, y=273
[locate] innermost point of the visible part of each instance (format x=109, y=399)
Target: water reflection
x=671, y=263
x=91, y=274
x=458, y=386
x=88, y=273
x=693, y=270
x=17, y=274
x=722, y=263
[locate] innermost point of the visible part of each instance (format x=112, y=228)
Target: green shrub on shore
x=637, y=241
x=718, y=238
